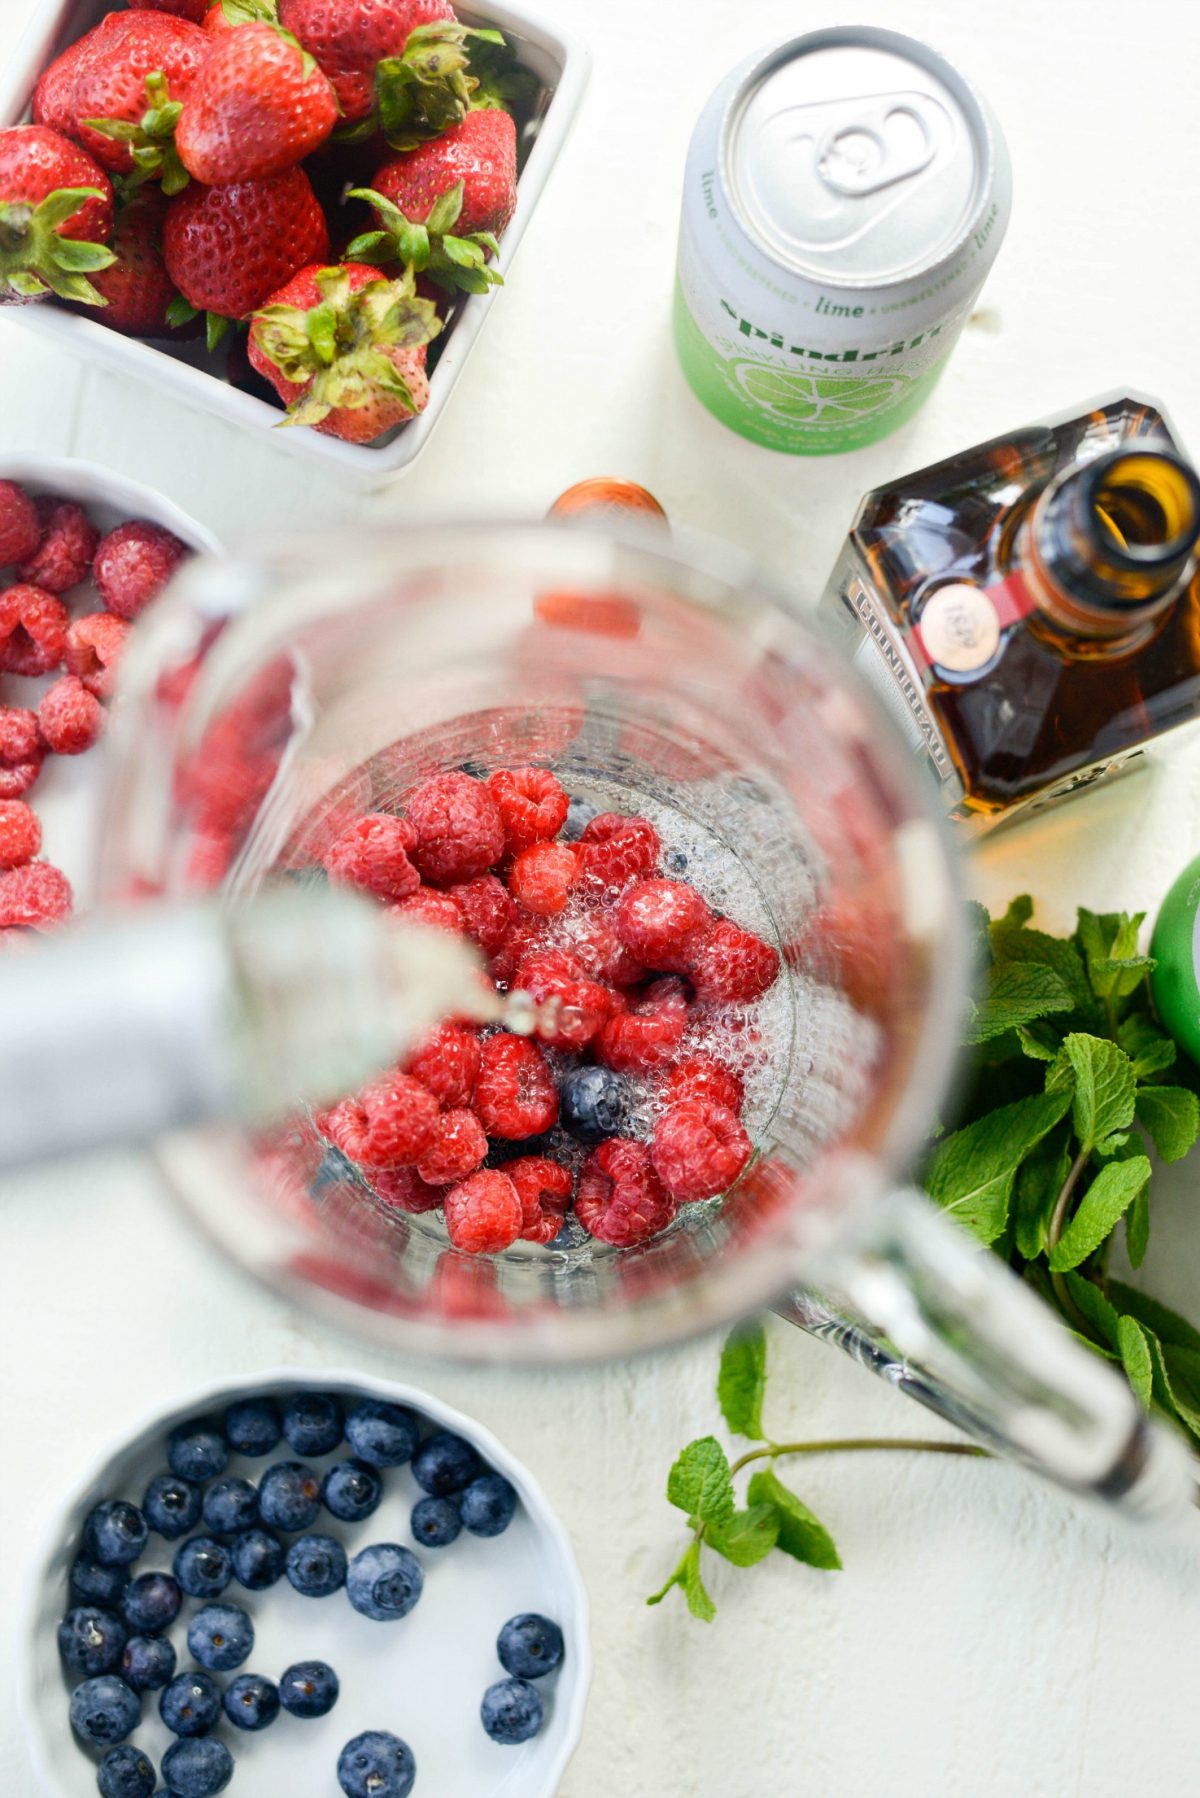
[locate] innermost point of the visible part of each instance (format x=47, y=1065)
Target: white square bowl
x=561, y=64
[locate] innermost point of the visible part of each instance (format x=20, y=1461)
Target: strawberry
x=223, y=15
x=180, y=9
x=129, y=85
x=259, y=105
x=350, y=37
x=430, y=248
x=363, y=372
x=228, y=249
x=137, y=288
x=54, y=95
x=56, y=216
x=481, y=153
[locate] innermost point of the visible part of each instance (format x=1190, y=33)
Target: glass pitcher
x=275, y=695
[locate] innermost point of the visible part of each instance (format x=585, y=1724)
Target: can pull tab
x=888, y=138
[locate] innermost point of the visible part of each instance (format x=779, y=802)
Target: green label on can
x=806, y=403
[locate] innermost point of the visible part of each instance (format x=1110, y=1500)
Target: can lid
x=858, y=156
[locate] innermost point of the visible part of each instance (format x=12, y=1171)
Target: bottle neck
x=1110, y=545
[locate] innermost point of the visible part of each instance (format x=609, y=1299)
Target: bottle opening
x=1146, y=508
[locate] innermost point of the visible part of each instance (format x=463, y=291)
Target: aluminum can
x=845, y=197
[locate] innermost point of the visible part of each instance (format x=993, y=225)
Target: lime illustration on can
x=844, y=200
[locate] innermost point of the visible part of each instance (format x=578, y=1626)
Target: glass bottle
x=1031, y=608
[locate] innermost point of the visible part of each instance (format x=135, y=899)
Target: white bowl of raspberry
x=465, y=1525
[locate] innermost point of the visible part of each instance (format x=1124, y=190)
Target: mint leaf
x=1180, y=1368
x=1011, y=943
x=748, y=1536
x=1150, y=1051
x=1137, y=1228
x=1171, y=1329
x=971, y=1174
x=742, y=1380
x=1171, y=1116
x=1018, y=994
x=700, y=1484
x=801, y=1535
x=1039, y=1040
x=1019, y=912
x=1095, y=1307
x=1134, y=1347
x=1039, y=1182
x=1105, y=1201
x=698, y=1601
x=1101, y=1075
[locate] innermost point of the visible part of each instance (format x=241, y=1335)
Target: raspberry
x=542, y=876
x=487, y=908
x=702, y=1076
x=483, y=1215
x=660, y=921
x=134, y=563
x=20, y=532
x=532, y=804
x=404, y=1189
x=93, y=650
x=522, y=938
x=20, y=833
x=68, y=543
x=621, y=1199
x=34, y=895
x=459, y=830
x=210, y=857
x=33, y=631
x=21, y=751
x=391, y=1123
x=544, y=1189
x=602, y=954
x=646, y=1035
x=515, y=1095
x=437, y=911
x=458, y=1148
x=732, y=966
x=373, y=853
x=617, y=850
x=69, y=717
x=446, y=1063
x=583, y=1005
x=698, y=1149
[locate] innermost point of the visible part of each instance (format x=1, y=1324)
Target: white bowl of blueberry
x=285, y=1587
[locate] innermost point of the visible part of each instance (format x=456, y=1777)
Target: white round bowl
x=66, y=797
x=422, y=1678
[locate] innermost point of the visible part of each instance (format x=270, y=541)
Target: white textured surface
x=985, y=1638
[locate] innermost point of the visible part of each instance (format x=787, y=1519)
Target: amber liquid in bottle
x=1032, y=608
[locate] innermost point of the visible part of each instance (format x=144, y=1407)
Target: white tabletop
x=985, y=1637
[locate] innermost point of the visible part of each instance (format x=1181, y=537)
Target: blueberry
x=230, y=1505
x=197, y=1769
x=252, y=1426
x=104, y=1710
x=198, y=1451
x=151, y=1603
x=147, y=1663
x=316, y=1566
x=251, y=1702
x=384, y=1582
x=202, y=1567
x=512, y=1711
x=436, y=1521
x=312, y=1423
x=530, y=1645
x=376, y=1765
x=593, y=1104
x=94, y=1584
x=351, y=1491
x=445, y=1463
x=191, y=1704
x=309, y=1689
x=258, y=1560
x=289, y=1496
x=383, y=1434
x=488, y=1505
x=172, y=1505
x=580, y=813
x=125, y=1773
x=90, y=1640
x=115, y=1533
x=220, y=1637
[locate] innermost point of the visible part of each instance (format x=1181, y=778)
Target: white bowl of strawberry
x=271, y=214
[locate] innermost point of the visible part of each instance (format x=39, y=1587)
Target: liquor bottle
x=1030, y=610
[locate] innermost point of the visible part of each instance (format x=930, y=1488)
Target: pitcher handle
x=954, y=1328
